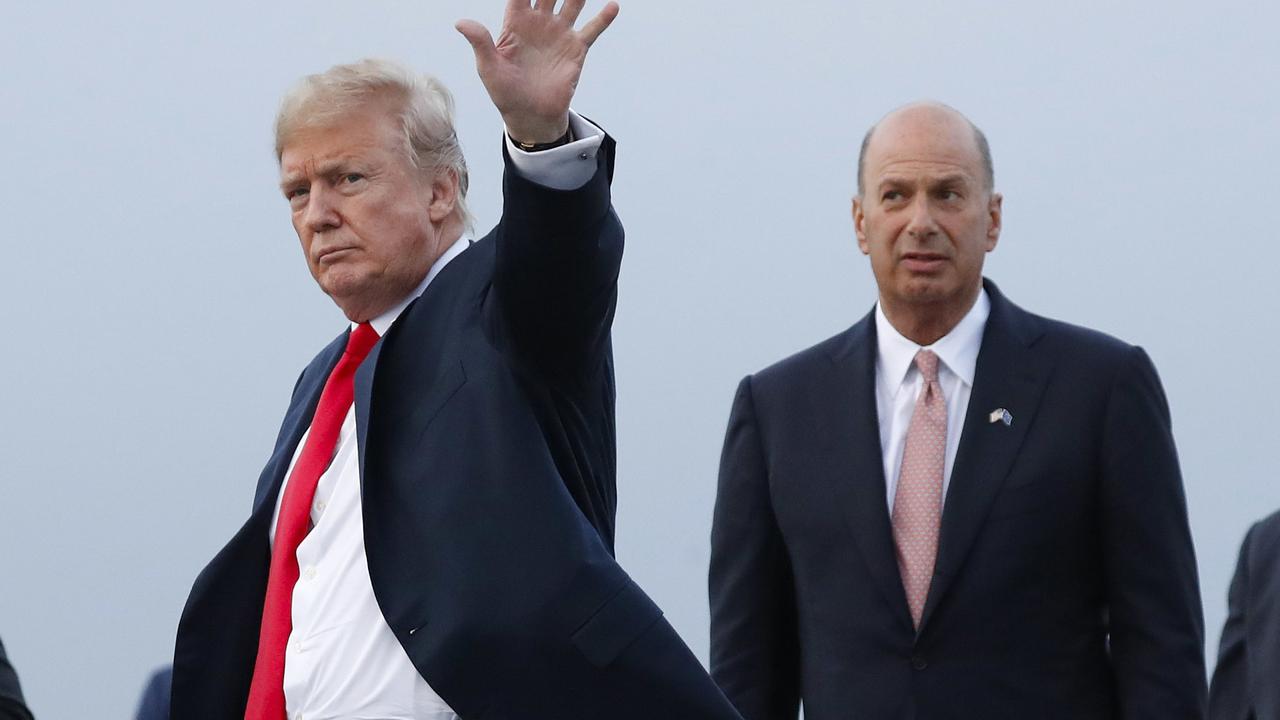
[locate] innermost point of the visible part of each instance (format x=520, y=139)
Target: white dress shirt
x=342, y=660
x=899, y=383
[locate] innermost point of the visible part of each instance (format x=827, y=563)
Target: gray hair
x=979, y=139
x=426, y=113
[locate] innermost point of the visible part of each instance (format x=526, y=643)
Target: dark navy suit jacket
x=154, y=703
x=1065, y=584
x=1246, y=681
x=12, y=706
x=485, y=422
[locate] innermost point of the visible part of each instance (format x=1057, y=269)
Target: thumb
x=479, y=37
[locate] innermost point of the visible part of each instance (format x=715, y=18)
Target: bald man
x=955, y=508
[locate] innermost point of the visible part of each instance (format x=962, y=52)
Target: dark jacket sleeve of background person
x=1246, y=681
x=154, y=703
x=1229, y=693
x=12, y=706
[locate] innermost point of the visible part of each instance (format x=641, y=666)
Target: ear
x=859, y=228
x=444, y=195
x=995, y=211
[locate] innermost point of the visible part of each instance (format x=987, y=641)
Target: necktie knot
x=927, y=362
x=361, y=341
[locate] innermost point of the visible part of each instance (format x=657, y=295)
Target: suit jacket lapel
x=424, y=372
x=857, y=464
x=1009, y=375
x=363, y=398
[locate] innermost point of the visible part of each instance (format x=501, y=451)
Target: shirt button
x=297, y=646
x=320, y=506
x=309, y=573
x=584, y=156
x=919, y=663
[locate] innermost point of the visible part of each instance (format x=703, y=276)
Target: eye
x=295, y=193
x=890, y=195
x=351, y=178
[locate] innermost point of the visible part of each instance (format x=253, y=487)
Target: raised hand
x=532, y=71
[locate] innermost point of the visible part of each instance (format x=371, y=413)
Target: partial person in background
x=154, y=703
x=432, y=537
x=12, y=706
x=955, y=508
x=1246, y=681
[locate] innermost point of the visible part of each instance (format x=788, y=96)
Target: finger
x=480, y=39
x=545, y=5
x=598, y=24
x=572, y=9
x=515, y=6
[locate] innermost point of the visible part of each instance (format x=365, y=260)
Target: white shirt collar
x=382, y=323
x=958, y=349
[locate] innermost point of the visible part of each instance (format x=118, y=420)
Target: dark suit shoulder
x=1085, y=354
x=1264, y=537
x=11, y=705
x=1061, y=340
x=802, y=366
x=1080, y=340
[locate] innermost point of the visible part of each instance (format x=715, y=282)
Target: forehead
x=923, y=141
x=367, y=134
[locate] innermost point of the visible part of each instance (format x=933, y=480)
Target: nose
x=322, y=212
x=921, y=224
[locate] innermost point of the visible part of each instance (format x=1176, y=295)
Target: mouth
x=332, y=255
x=923, y=262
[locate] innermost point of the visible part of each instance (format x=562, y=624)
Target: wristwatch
x=564, y=139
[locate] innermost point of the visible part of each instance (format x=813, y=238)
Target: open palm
x=531, y=72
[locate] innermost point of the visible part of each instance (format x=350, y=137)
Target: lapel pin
x=1001, y=415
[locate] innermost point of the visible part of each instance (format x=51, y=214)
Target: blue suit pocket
x=617, y=624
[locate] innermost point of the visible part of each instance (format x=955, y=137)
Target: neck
x=926, y=323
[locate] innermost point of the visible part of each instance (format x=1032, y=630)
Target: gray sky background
x=159, y=309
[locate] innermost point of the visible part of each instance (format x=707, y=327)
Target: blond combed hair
x=425, y=113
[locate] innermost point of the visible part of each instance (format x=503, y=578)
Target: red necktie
x=266, y=693
x=917, y=506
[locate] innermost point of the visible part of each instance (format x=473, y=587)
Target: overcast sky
x=159, y=308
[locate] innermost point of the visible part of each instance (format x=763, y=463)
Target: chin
x=927, y=290
x=340, y=281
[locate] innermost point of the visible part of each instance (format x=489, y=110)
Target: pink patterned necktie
x=917, y=505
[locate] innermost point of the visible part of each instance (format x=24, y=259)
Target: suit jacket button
x=919, y=663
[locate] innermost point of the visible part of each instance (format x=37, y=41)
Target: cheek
x=880, y=240
x=305, y=238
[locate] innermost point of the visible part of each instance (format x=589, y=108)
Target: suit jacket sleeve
x=1156, y=619
x=754, y=644
x=12, y=706
x=558, y=257
x=1229, y=691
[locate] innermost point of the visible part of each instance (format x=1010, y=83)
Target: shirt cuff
x=567, y=167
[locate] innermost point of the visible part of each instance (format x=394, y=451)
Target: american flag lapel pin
x=1000, y=415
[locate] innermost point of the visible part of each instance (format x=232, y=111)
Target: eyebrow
x=325, y=167
x=950, y=179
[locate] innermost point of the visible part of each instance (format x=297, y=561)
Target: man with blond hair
x=433, y=536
